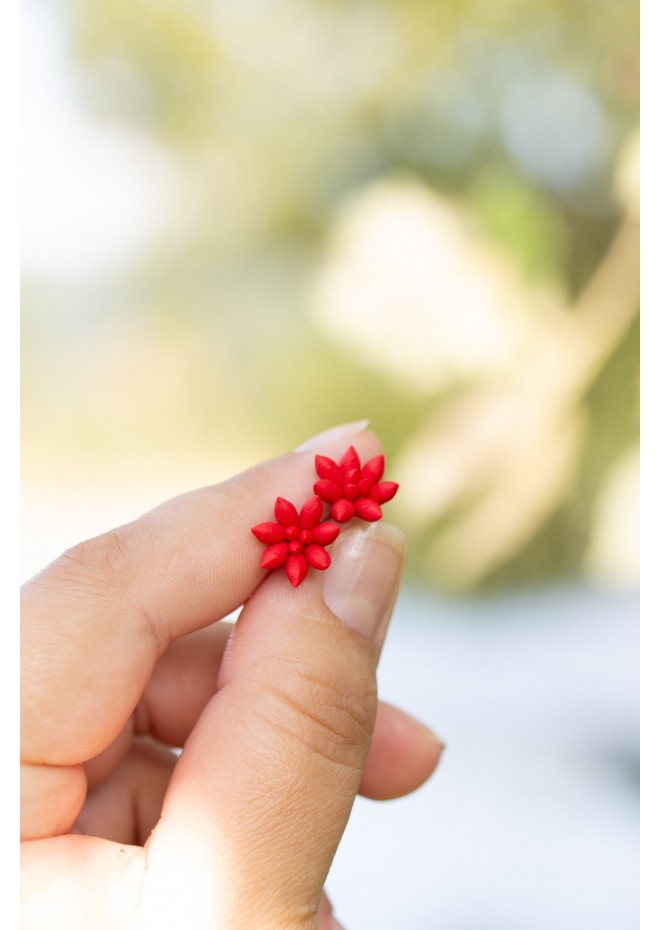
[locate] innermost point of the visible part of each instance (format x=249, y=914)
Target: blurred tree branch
x=502, y=455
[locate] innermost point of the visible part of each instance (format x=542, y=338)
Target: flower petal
x=310, y=513
x=317, y=557
x=327, y=469
x=364, y=487
x=326, y=533
x=350, y=461
x=368, y=509
x=327, y=490
x=383, y=492
x=285, y=513
x=269, y=532
x=352, y=476
x=274, y=556
x=342, y=510
x=296, y=569
x=373, y=470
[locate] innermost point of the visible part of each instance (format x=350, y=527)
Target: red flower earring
x=296, y=540
x=352, y=489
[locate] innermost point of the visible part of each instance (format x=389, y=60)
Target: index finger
x=95, y=621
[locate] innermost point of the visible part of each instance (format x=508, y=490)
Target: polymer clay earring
x=297, y=540
x=352, y=489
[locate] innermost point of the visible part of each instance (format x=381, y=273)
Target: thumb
x=264, y=787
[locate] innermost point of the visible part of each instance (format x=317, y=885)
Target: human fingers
x=327, y=920
x=125, y=804
x=125, y=808
x=231, y=849
x=184, y=679
x=403, y=754
x=262, y=791
x=95, y=621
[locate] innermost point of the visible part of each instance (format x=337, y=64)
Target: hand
x=123, y=656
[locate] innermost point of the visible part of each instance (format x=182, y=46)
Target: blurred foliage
x=285, y=120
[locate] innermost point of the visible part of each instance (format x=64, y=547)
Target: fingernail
x=344, y=431
x=361, y=585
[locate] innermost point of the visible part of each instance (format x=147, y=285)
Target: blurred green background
x=246, y=222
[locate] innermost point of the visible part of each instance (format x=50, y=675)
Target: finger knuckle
x=103, y=563
x=329, y=711
x=95, y=562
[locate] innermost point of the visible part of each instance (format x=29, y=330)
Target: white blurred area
x=531, y=821
x=414, y=289
x=92, y=194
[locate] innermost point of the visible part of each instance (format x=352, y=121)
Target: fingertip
x=327, y=920
x=334, y=445
x=404, y=753
x=340, y=433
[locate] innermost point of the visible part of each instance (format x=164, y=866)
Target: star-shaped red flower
x=351, y=489
x=296, y=541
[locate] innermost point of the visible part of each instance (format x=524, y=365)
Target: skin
x=123, y=657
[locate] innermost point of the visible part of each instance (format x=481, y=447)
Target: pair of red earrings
x=298, y=540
